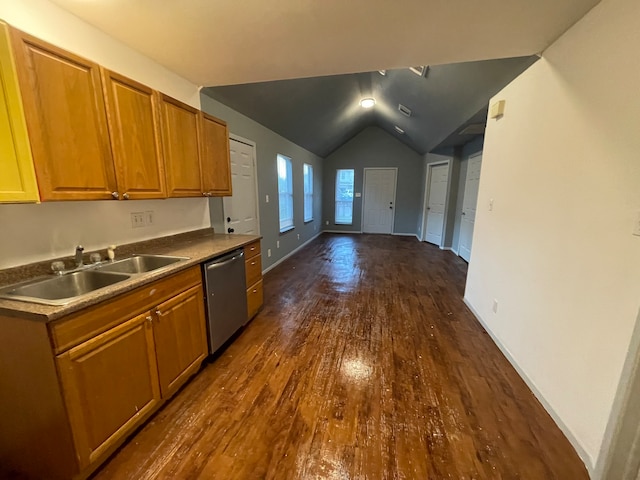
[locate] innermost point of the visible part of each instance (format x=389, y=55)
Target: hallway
x=364, y=364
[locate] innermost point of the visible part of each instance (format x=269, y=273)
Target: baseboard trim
x=406, y=235
x=455, y=251
x=270, y=267
x=342, y=231
x=584, y=456
x=446, y=248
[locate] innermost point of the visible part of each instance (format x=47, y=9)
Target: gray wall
x=373, y=147
x=268, y=145
x=461, y=160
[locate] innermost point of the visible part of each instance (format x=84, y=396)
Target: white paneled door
x=469, y=204
x=436, y=202
x=241, y=210
x=379, y=200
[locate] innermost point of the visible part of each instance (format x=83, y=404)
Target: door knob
x=390, y=208
x=230, y=230
x=463, y=213
x=228, y=219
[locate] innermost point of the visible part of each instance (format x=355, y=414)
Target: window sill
x=308, y=221
x=288, y=229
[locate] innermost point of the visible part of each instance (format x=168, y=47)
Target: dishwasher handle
x=232, y=257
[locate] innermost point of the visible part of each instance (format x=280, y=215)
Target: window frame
x=286, y=223
x=307, y=171
x=342, y=220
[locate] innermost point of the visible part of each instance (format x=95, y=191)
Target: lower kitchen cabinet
x=180, y=338
x=253, y=272
x=110, y=383
x=81, y=384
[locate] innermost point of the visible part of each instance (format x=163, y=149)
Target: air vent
x=421, y=71
x=404, y=110
x=473, y=129
x=399, y=130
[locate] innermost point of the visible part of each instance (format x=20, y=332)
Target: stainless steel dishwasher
x=226, y=297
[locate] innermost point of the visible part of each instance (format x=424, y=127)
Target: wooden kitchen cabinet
x=253, y=274
x=214, y=156
x=66, y=118
x=180, y=338
x=18, y=178
x=180, y=140
x=133, y=119
x=110, y=384
x=84, y=382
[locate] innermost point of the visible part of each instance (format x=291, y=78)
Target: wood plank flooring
x=364, y=364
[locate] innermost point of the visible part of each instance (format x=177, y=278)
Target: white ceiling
x=225, y=42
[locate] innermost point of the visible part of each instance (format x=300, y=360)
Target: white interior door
x=379, y=200
x=469, y=204
x=241, y=210
x=436, y=202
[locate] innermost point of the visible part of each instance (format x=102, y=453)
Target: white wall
x=557, y=250
x=39, y=232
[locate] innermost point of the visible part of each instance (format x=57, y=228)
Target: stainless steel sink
x=63, y=289
x=141, y=264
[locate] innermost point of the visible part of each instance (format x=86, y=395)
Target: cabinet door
x=65, y=114
x=110, y=385
x=180, y=337
x=214, y=156
x=180, y=137
x=18, y=178
x=132, y=112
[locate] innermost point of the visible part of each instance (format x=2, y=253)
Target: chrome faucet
x=79, y=250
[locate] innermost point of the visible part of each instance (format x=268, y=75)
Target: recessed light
x=399, y=130
x=367, y=102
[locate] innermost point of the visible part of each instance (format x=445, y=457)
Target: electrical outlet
x=266, y=198
x=148, y=217
x=491, y=205
x=298, y=236
x=268, y=252
x=326, y=222
x=495, y=306
x=137, y=220
x=636, y=226
x=277, y=243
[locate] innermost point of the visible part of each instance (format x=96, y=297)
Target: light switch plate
x=636, y=226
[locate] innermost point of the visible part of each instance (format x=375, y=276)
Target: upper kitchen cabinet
x=180, y=141
x=66, y=119
x=18, y=178
x=214, y=156
x=132, y=113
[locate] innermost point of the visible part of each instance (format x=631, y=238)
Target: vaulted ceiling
x=322, y=113
x=304, y=57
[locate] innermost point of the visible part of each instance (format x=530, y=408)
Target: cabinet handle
x=255, y=291
x=253, y=263
x=115, y=195
x=149, y=319
x=125, y=196
x=253, y=248
x=158, y=313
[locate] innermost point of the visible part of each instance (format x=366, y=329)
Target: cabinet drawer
x=253, y=270
x=254, y=299
x=81, y=326
x=252, y=250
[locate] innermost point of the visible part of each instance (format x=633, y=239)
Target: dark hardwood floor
x=364, y=364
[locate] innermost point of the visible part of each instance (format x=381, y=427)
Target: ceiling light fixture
x=421, y=70
x=399, y=130
x=382, y=72
x=367, y=102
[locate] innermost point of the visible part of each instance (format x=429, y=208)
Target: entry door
x=469, y=206
x=436, y=203
x=379, y=200
x=240, y=210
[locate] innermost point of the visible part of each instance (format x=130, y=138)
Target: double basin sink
x=69, y=287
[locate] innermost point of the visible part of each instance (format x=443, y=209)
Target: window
x=308, y=192
x=285, y=193
x=344, y=197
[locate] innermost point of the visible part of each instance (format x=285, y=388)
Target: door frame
x=425, y=200
x=478, y=154
x=253, y=145
x=395, y=190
